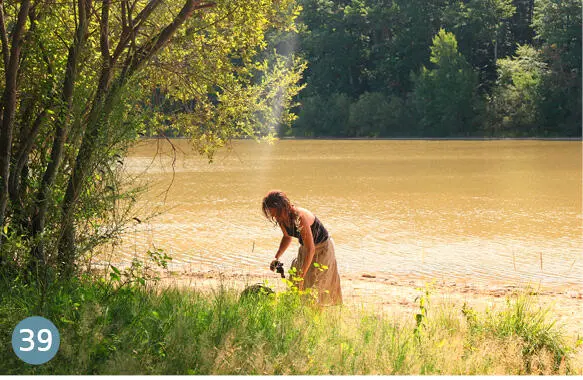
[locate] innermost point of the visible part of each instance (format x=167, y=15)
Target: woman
x=316, y=247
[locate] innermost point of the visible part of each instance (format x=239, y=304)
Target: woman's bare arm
x=284, y=244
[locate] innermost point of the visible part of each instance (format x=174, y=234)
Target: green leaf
x=67, y=321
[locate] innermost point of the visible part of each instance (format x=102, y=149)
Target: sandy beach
x=397, y=297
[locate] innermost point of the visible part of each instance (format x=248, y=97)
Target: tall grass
x=142, y=330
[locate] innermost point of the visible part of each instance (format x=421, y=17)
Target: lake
x=492, y=211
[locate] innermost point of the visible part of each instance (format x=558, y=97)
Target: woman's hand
x=273, y=265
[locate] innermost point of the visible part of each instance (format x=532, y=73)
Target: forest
x=440, y=68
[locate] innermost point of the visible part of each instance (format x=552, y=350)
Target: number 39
x=44, y=336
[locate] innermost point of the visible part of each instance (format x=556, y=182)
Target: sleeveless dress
x=327, y=282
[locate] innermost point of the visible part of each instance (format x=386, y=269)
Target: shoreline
x=398, y=297
x=403, y=138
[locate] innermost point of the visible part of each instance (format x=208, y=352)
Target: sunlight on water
x=482, y=210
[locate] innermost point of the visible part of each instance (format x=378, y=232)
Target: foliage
x=355, y=47
x=322, y=116
x=369, y=116
x=372, y=115
x=82, y=81
x=527, y=322
x=143, y=330
x=483, y=31
x=222, y=87
x=558, y=28
x=336, y=47
x=421, y=318
x=445, y=95
x=139, y=272
x=558, y=25
x=518, y=93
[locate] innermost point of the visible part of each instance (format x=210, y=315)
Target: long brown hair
x=277, y=199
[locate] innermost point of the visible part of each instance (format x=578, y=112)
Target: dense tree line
x=447, y=68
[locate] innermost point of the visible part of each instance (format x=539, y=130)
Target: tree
x=517, y=95
x=323, y=115
x=11, y=54
x=445, y=96
x=355, y=47
x=401, y=46
x=482, y=28
x=77, y=80
x=558, y=28
x=333, y=38
x=520, y=25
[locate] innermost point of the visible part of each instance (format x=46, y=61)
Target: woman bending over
x=316, y=246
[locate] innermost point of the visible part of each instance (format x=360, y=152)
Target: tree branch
x=128, y=33
x=124, y=24
x=157, y=42
x=101, y=109
x=104, y=31
x=4, y=37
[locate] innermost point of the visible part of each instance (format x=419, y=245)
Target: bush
x=322, y=116
x=369, y=116
x=531, y=327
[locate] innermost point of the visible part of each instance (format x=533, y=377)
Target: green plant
x=147, y=330
x=139, y=273
x=421, y=319
x=535, y=330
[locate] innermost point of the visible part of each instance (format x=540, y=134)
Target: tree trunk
x=66, y=244
x=44, y=194
x=9, y=105
x=27, y=135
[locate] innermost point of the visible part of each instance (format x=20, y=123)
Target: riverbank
x=198, y=324
x=435, y=138
x=398, y=295
x=403, y=138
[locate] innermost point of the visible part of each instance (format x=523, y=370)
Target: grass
x=144, y=330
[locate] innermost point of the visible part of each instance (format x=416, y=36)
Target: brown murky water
x=492, y=211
